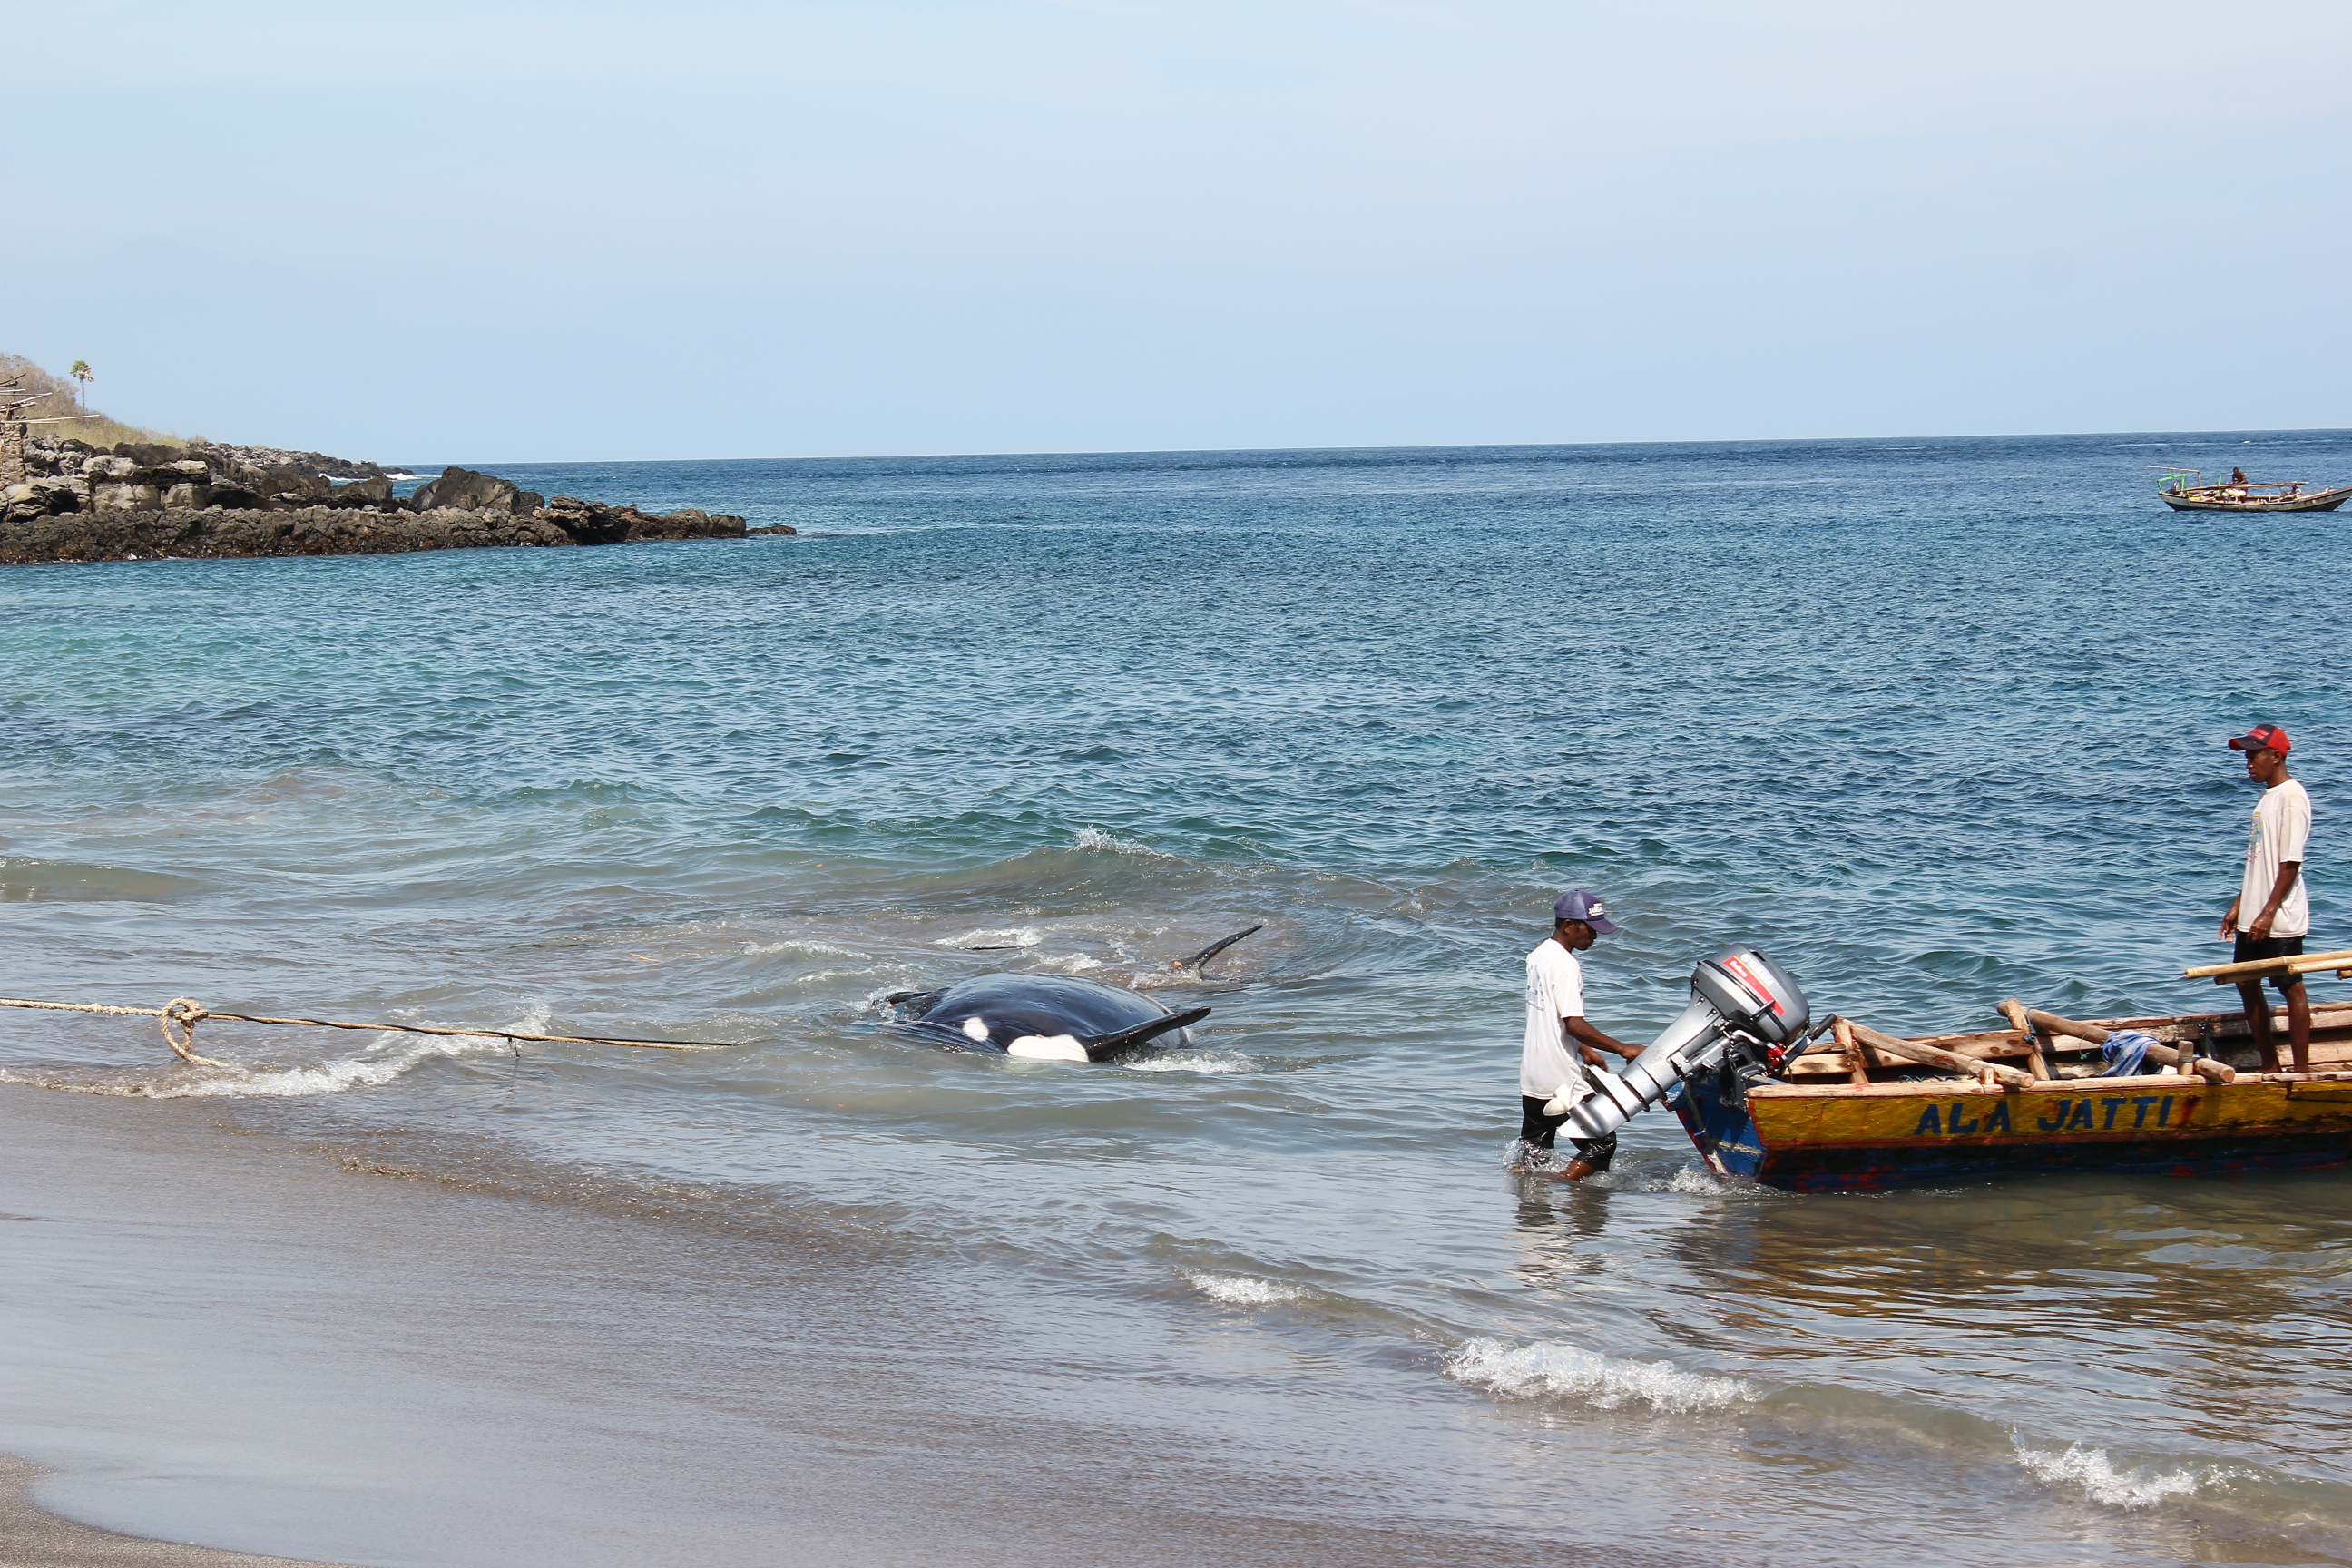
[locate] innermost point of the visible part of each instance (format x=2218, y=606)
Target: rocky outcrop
x=314, y=463
x=593, y=522
x=83, y=504
x=306, y=530
x=470, y=492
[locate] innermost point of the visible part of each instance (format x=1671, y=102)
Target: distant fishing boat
x=1855, y=1109
x=2183, y=489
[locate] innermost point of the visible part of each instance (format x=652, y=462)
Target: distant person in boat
x=1561, y=1046
x=2237, y=476
x=2272, y=913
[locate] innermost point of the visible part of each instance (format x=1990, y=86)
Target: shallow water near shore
x=1934, y=722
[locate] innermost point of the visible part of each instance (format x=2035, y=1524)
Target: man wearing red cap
x=2272, y=913
x=1560, y=1043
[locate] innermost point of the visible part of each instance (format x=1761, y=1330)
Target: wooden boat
x=1859, y=1111
x=2180, y=490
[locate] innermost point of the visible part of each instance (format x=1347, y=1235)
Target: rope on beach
x=186, y=1013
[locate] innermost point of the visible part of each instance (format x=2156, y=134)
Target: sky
x=485, y=231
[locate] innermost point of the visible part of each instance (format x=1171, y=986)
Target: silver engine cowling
x=1745, y=1010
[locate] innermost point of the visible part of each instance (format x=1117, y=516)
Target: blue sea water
x=1934, y=723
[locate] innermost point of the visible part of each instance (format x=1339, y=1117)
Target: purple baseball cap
x=1580, y=905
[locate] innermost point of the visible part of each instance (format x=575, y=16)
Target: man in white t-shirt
x=2272, y=913
x=1560, y=1047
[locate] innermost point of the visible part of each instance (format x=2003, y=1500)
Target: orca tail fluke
x=1101, y=1047
x=1215, y=948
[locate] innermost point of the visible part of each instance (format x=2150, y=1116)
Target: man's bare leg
x=1577, y=1169
x=2298, y=1025
x=2258, y=1021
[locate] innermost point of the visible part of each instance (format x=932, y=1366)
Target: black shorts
x=2251, y=948
x=1536, y=1131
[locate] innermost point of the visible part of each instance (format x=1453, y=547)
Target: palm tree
x=84, y=374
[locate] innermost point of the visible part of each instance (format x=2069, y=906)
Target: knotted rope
x=186, y=1013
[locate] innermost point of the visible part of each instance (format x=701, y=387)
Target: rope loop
x=187, y=1013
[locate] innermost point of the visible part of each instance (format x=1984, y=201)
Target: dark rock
x=363, y=492
x=147, y=454
x=290, y=482
x=469, y=491
x=228, y=459
x=289, y=531
x=774, y=527
x=686, y=523
x=41, y=497
x=586, y=521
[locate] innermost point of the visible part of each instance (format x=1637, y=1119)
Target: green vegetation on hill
x=97, y=428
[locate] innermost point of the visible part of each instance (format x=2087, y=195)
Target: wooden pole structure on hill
x=14, y=399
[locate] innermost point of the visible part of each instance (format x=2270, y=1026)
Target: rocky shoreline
x=135, y=502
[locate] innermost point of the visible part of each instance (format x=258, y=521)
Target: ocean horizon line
x=1498, y=447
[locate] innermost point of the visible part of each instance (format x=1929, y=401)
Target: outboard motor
x=1744, y=1011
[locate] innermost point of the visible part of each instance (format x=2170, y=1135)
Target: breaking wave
x=1096, y=838
x=1009, y=936
x=2091, y=1472
x=1242, y=1289
x=1546, y=1369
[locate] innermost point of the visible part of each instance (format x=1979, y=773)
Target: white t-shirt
x=2282, y=825
x=1555, y=990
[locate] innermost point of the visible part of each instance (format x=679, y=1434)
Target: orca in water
x=1049, y=1018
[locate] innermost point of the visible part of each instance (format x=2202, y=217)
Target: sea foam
x=1191, y=1061
x=814, y=949
x=392, y=1053
x=1242, y=1289
x=1009, y=936
x=1548, y=1369
x=1096, y=838
x=2090, y=1471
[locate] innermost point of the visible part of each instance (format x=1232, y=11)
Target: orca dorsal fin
x=1215, y=948
x=1102, y=1046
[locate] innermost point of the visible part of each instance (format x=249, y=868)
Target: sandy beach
x=320, y=1353
x=298, y=1351
x=32, y=1537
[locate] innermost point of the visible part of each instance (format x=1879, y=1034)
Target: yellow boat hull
x=1860, y=1138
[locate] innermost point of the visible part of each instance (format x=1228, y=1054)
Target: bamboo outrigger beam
x=2302, y=963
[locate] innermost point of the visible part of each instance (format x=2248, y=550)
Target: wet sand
x=321, y=1352
x=313, y=1352
x=32, y=1537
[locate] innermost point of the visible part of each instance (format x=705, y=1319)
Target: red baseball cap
x=2263, y=737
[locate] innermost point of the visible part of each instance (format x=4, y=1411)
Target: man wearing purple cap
x=2272, y=913
x=1559, y=1044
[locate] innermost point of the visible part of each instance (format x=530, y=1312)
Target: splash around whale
x=1049, y=1018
